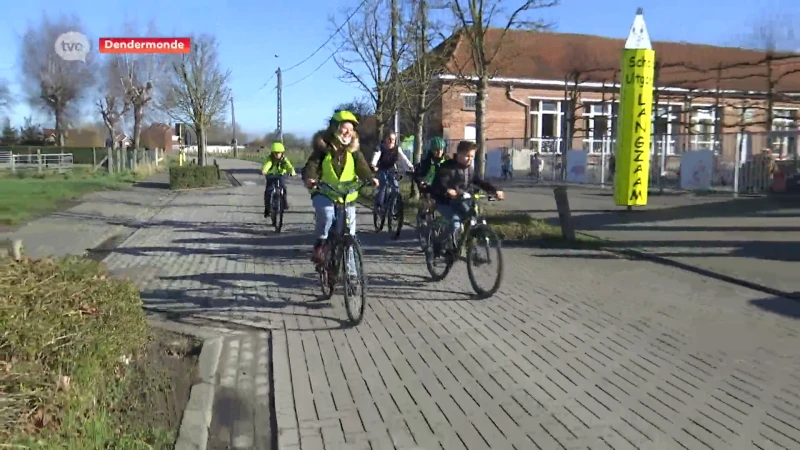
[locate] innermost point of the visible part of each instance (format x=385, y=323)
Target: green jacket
x=322, y=146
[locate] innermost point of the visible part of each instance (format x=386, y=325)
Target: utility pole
x=280, y=105
x=233, y=125
x=394, y=65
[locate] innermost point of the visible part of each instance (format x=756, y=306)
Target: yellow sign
x=635, y=118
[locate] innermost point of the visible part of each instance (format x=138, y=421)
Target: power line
x=266, y=83
x=318, y=67
x=330, y=38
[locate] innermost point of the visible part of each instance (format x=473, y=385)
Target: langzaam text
x=641, y=129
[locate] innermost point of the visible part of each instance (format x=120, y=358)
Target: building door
x=470, y=132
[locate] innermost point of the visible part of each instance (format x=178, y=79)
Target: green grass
x=27, y=195
x=509, y=225
x=71, y=344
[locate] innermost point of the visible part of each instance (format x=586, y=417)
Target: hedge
x=193, y=176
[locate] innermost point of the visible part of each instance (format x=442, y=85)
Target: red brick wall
x=506, y=119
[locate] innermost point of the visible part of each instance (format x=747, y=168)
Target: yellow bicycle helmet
x=277, y=147
x=343, y=116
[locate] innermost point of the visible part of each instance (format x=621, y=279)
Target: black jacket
x=425, y=165
x=452, y=175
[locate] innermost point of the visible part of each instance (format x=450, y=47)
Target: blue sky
x=252, y=32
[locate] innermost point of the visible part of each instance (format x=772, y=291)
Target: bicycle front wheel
x=355, y=284
x=278, y=212
x=398, y=214
x=484, y=248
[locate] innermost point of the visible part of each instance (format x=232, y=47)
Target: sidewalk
x=753, y=239
x=101, y=218
x=578, y=349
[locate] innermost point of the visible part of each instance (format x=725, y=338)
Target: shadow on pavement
x=779, y=305
x=152, y=185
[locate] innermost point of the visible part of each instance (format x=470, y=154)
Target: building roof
x=535, y=55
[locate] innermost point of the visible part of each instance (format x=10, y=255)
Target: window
x=666, y=120
x=545, y=125
x=598, y=120
x=704, y=126
x=782, y=120
x=469, y=101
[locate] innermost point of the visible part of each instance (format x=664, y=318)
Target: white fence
x=215, y=149
x=747, y=162
x=60, y=162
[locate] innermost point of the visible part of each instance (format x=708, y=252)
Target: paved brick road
x=753, y=239
x=577, y=350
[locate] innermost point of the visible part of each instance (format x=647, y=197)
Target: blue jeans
x=454, y=213
x=384, y=178
x=324, y=209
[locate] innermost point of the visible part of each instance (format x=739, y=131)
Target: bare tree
x=474, y=18
x=365, y=55
x=113, y=103
x=775, y=36
x=197, y=90
x=418, y=89
x=6, y=99
x=50, y=82
x=358, y=106
x=139, y=75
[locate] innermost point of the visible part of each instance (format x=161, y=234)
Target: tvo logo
x=72, y=46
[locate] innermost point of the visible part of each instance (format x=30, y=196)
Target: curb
x=196, y=420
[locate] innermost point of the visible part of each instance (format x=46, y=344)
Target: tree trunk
x=110, y=128
x=419, y=121
x=138, y=115
x=480, y=118
x=59, y=116
x=201, y=146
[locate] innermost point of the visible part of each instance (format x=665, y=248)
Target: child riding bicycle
x=452, y=180
x=426, y=171
x=275, y=168
x=336, y=158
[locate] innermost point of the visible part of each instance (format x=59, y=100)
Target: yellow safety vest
x=329, y=176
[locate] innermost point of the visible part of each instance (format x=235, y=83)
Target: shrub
x=193, y=176
x=67, y=332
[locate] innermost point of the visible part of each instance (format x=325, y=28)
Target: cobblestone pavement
x=751, y=239
x=577, y=350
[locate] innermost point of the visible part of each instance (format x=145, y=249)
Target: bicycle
x=450, y=247
x=275, y=203
x=392, y=210
x=426, y=216
x=339, y=247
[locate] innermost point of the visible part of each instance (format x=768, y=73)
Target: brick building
x=159, y=135
x=703, y=96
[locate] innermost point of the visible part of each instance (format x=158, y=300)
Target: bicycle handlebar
x=350, y=187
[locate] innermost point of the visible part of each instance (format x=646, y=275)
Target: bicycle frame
x=473, y=218
x=393, y=189
x=275, y=189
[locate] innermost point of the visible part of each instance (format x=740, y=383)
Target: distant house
x=160, y=135
x=49, y=136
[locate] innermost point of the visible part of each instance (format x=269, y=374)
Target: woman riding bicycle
x=275, y=168
x=384, y=161
x=336, y=158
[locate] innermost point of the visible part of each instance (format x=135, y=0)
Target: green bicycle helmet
x=438, y=143
x=343, y=116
